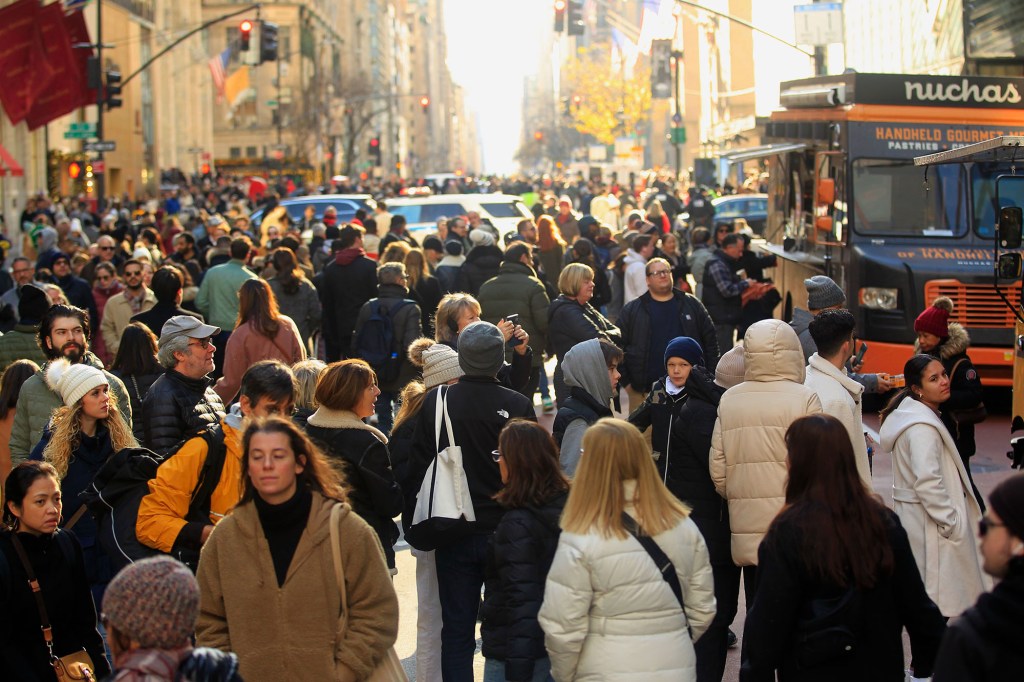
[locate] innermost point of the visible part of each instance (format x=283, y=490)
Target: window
x=889, y=198
x=235, y=152
x=983, y=181
x=506, y=209
x=250, y=152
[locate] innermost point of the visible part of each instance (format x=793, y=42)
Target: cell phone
x=859, y=358
x=514, y=319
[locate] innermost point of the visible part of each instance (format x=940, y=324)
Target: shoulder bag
x=390, y=668
x=972, y=415
x=444, y=510
x=661, y=561
x=75, y=666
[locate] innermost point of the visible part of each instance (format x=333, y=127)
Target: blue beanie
x=686, y=348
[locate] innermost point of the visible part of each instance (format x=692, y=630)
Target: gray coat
x=303, y=307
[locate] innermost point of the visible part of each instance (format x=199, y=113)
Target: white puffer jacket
x=609, y=615
x=748, y=446
x=840, y=397
x=933, y=498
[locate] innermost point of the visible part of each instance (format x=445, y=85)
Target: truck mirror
x=1010, y=265
x=1011, y=222
x=826, y=191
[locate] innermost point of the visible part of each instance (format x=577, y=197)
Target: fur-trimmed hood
x=956, y=343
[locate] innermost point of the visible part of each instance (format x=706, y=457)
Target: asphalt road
x=989, y=467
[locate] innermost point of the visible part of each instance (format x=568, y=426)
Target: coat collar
x=342, y=419
x=822, y=365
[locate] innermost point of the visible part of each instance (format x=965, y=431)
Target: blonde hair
x=395, y=253
x=412, y=402
x=66, y=435
x=307, y=373
x=614, y=451
x=449, y=310
x=416, y=267
x=572, y=278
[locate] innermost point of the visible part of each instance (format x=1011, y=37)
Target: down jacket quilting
x=177, y=407
x=748, y=447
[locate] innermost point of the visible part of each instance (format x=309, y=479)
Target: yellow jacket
x=161, y=523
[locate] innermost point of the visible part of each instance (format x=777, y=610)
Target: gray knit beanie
x=823, y=293
x=481, y=349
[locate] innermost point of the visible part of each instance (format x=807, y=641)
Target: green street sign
x=82, y=127
x=678, y=136
x=79, y=135
x=271, y=102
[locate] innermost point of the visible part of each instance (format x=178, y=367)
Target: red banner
x=78, y=33
x=23, y=69
x=64, y=92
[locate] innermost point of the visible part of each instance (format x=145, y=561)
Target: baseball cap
x=186, y=325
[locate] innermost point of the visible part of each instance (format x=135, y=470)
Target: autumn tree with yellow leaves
x=607, y=101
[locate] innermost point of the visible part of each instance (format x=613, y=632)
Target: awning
x=1007, y=148
x=751, y=153
x=8, y=166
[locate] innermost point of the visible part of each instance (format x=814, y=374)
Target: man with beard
x=134, y=299
x=63, y=333
x=76, y=289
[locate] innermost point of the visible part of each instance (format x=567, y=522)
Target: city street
x=989, y=466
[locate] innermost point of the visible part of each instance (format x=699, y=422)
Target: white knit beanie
x=73, y=381
x=440, y=365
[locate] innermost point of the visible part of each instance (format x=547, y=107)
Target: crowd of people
x=213, y=427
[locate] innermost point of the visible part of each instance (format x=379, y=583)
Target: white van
x=504, y=211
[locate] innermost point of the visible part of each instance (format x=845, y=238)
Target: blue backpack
x=376, y=342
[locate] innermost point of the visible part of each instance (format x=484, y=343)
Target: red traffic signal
x=74, y=170
x=538, y=136
x=559, y=16
x=205, y=169
x=424, y=102
x=245, y=31
x=375, y=142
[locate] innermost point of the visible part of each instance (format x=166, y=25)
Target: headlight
x=879, y=298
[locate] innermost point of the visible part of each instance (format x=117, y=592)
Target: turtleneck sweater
x=282, y=526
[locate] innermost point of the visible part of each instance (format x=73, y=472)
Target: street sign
x=678, y=135
x=100, y=146
x=819, y=24
x=80, y=131
x=271, y=102
x=99, y=166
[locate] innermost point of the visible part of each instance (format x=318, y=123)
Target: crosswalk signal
x=424, y=103
x=268, y=41
x=244, y=34
x=113, y=90
x=574, y=20
x=559, y=16
x=74, y=170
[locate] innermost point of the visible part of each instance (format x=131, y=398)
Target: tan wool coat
x=291, y=632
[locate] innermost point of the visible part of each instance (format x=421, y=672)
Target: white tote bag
x=444, y=507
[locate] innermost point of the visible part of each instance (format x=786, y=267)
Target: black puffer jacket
x=482, y=263
x=177, y=407
x=138, y=386
x=635, y=323
x=688, y=477
x=570, y=323
x=373, y=492
x=519, y=558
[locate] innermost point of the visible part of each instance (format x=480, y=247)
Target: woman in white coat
x=931, y=491
x=608, y=612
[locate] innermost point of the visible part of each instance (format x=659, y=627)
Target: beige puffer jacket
x=748, y=447
x=609, y=615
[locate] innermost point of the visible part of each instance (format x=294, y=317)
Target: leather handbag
x=972, y=415
x=76, y=666
x=390, y=668
x=444, y=510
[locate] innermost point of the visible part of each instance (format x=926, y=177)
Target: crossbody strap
x=339, y=566
x=76, y=517
x=33, y=583
x=661, y=560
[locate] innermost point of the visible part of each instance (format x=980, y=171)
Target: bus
x=846, y=200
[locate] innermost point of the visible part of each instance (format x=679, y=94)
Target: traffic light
x=539, y=136
x=268, y=41
x=559, y=16
x=574, y=20
x=113, y=92
x=374, y=151
x=74, y=170
x=244, y=33
x=424, y=103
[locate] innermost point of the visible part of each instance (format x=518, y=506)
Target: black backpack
x=117, y=490
x=376, y=342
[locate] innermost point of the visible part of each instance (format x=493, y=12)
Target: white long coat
x=932, y=496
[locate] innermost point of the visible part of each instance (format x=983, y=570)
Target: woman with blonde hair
x=81, y=436
x=261, y=333
x=307, y=374
x=395, y=253
x=622, y=527
x=423, y=287
x=267, y=584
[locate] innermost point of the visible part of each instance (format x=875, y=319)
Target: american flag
x=218, y=68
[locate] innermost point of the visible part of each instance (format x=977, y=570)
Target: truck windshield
x=889, y=198
x=983, y=184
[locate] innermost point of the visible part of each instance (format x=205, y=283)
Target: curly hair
x=66, y=434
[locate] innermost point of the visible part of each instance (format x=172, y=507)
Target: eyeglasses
x=202, y=343
x=496, y=455
x=21, y=272
x=133, y=273
x=106, y=248
x=985, y=524
x=660, y=273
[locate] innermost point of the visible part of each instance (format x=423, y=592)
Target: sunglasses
x=133, y=273
x=202, y=343
x=985, y=524
x=106, y=248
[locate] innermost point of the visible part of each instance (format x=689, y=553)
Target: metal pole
x=678, y=112
x=100, y=178
x=280, y=116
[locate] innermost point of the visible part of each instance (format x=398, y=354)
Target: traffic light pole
x=100, y=178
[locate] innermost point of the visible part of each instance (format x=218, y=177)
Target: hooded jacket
x=590, y=392
x=933, y=497
x=634, y=277
x=984, y=644
x=345, y=287
x=516, y=289
x=482, y=263
x=748, y=447
x=965, y=390
x=841, y=397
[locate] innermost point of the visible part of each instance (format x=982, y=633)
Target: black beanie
x=33, y=304
x=1007, y=500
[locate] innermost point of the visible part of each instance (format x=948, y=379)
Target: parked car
x=346, y=205
x=504, y=211
x=751, y=207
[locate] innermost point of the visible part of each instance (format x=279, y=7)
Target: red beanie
x=935, y=319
